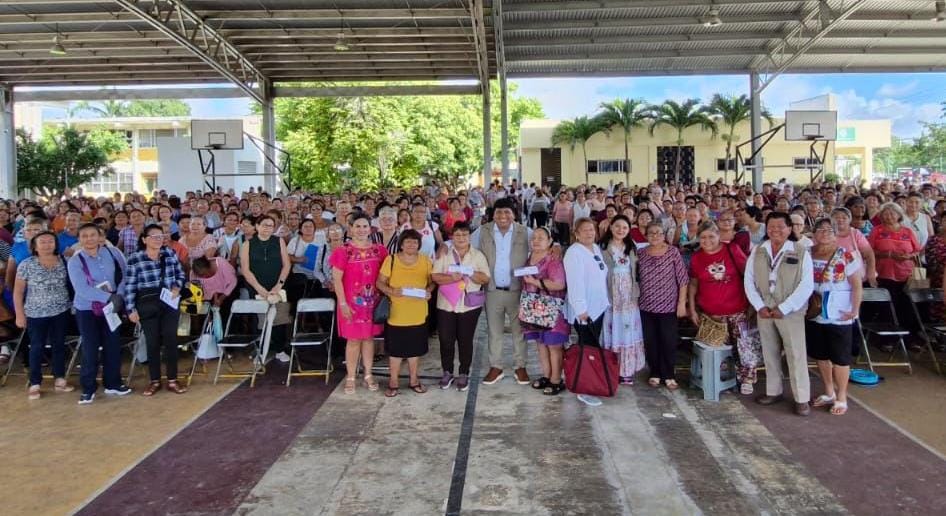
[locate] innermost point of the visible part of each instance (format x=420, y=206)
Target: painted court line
x=461, y=461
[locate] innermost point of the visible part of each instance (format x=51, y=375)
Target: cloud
x=906, y=117
x=897, y=90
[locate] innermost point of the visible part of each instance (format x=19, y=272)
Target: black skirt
x=405, y=341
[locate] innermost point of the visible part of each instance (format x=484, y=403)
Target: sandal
x=839, y=408
x=653, y=382
x=553, y=389
x=61, y=386
x=391, y=392
x=823, y=400
x=34, y=392
x=370, y=384
x=152, y=388
x=175, y=387
x=671, y=384
x=418, y=388
x=541, y=383
x=350, y=385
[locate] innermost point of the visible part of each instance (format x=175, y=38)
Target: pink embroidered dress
x=360, y=271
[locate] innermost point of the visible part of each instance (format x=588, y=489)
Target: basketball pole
x=756, y=128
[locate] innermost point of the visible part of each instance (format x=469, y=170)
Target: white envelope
x=466, y=270
x=414, y=292
x=170, y=299
x=526, y=271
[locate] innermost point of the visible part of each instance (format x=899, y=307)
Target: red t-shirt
x=882, y=241
x=638, y=236
x=720, y=282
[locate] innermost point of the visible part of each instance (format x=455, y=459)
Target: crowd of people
x=780, y=270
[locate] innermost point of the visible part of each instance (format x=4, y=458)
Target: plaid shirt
x=128, y=240
x=142, y=272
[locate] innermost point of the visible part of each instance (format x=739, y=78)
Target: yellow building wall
x=778, y=154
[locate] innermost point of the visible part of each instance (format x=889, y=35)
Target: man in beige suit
x=506, y=246
x=779, y=280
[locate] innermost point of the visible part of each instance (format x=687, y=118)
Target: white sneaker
x=591, y=401
x=282, y=356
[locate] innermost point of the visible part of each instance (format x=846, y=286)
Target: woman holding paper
x=304, y=255
x=546, y=275
x=460, y=274
x=405, y=278
x=152, y=270
x=838, y=282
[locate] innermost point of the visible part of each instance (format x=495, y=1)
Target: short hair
x=825, y=221
x=780, y=215
x=409, y=234
x=707, y=225
x=144, y=234
x=504, y=204
x=200, y=265
x=461, y=226
x=42, y=233
x=89, y=225
x=896, y=209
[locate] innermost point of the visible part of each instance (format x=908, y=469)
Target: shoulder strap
x=85, y=269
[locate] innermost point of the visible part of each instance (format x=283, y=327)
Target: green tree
x=901, y=154
x=730, y=110
x=680, y=117
x=626, y=114
x=577, y=132
x=133, y=108
x=64, y=157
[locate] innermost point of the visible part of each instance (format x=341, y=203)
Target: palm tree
x=680, y=117
x=576, y=132
x=626, y=114
x=105, y=109
x=731, y=111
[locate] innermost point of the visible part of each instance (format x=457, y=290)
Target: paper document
x=526, y=271
x=414, y=292
x=466, y=270
x=836, y=304
x=170, y=299
x=113, y=320
x=311, y=254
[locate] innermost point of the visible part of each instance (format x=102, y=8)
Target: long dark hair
x=629, y=245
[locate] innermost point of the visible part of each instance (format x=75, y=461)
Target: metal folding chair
x=254, y=342
x=72, y=347
x=929, y=328
x=891, y=328
x=301, y=338
x=15, y=351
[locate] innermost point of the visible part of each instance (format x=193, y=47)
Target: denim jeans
x=51, y=331
x=95, y=333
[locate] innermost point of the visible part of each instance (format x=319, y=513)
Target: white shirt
x=797, y=300
x=502, y=269
x=580, y=211
x=587, y=281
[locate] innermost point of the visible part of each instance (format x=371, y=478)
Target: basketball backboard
x=217, y=134
x=802, y=125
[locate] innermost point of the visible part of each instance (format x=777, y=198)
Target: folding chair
x=15, y=350
x=928, y=327
x=240, y=308
x=309, y=306
x=891, y=328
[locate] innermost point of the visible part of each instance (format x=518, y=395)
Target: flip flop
x=839, y=408
x=654, y=382
x=391, y=392
x=823, y=401
x=419, y=388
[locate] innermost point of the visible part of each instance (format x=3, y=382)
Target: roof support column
x=7, y=144
x=487, y=138
x=756, y=127
x=269, y=136
x=504, y=127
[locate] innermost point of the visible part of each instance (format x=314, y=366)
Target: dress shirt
x=143, y=272
x=798, y=299
x=101, y=268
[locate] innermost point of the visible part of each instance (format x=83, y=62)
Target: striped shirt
x=142, y=272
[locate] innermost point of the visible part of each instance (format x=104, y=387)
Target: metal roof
x=282, y=41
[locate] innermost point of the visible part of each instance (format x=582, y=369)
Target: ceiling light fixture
x=712, y=19
x=340, y=44
x=940, y=15
x=57, y=49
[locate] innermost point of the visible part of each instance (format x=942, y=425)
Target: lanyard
x=774, y=264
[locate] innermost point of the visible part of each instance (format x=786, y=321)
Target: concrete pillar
x=504, y=127
x=756, y=125
x=270, y=181
x=8, y=187
x=487, y=133
x=867, y=166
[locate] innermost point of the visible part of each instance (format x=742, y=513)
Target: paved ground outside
x=501, y=449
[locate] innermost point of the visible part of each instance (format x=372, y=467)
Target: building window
x=606, y=166
x=117, y=182
x=146, y=138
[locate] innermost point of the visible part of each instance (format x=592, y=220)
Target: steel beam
x=8, y=187
x=376, y=91
x=755, y=123
x=191, y=32
x=268, y=130
x=786, y=56
x=479, y=41
x=126, y=94
x=497, y=10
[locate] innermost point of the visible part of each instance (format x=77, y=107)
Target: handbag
x=473, y=299
x=207, y=345
x=382, y=309
x=712, y=332
x=816, y=301
x=591, y=370
x=918, y=279
x=541, y=310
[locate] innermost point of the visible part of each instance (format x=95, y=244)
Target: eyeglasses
x=600, y=263
x=824, y=230
x=267, y=226
x=156, y=236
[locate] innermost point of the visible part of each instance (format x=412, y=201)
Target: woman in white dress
x=622, y=331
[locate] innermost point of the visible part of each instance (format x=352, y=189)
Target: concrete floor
x=501, y=449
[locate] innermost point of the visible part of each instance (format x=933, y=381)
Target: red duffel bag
x=591, y=370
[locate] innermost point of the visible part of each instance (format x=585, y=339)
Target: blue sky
x=905, y=99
